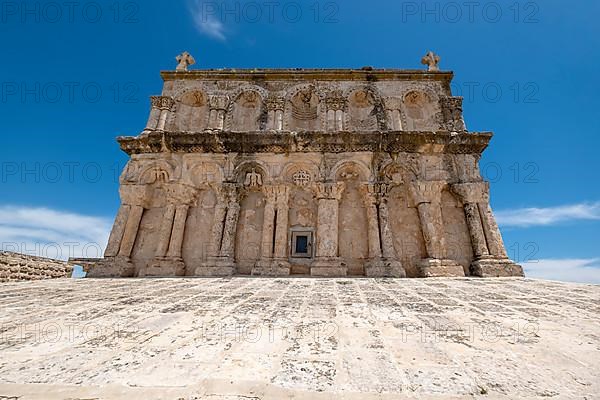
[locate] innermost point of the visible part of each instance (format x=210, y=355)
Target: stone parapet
x=21, y=267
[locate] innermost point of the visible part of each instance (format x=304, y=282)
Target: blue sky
x=75, y=77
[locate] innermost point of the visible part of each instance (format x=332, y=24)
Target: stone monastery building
x=322, y=172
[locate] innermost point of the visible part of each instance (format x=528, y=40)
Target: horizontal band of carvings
x=305, y=142
x=310, y=74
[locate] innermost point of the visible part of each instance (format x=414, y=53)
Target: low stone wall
x=21, y=267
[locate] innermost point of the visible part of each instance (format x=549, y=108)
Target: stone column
x=165, y=104
x=154, y=113
x=218, y=105
x=327, y=262
x=222, y=242
x=490, y=256
x=385, y=262
x=281, y=229
x=116, y=234
x=166, y=228
x=370, y=201
x=263, y=266
x=426, y=195
x=117, y=261
x=231, y=220
x=274, y=251
x=216, y=235
x=387, y=239
x=131, y=230
x=168, y=260
x=176, y=243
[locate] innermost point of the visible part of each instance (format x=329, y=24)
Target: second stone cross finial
x=184, y=60
x=432, y=60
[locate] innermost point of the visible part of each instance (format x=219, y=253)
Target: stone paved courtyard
x=244, y=338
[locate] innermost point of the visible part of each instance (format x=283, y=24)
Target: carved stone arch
x=203, y=174
x=298, y=172
x=159, y=171
x=349, y=166
x=398, y=172
x=366, y=110
x=420, y=109
x=246, y=110
x=192, y=110
x=180, y=92
x=251, y=167
x=302, y=107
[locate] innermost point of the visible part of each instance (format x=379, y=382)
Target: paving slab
x=299, y=338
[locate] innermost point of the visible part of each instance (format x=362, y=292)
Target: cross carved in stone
x=301, y=178
x=184, y=60
x=432, y=60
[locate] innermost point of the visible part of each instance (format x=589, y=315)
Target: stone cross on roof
x=185, y=59
x=432, y=60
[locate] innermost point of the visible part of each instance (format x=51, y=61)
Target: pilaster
x=327, y=261
x=427, y=195
x=490, y=259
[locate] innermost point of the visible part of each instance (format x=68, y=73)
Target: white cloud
x=567, y=270
x=205, y=21
x=525, y=217
x=52, y=233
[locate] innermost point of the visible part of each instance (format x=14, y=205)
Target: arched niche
x=252, y=174
x=352, y=220
x=198, y=227
x=204, y=173
x=456, y=231
x=419, y=111
x=249, y=231
x=406, y=229
x=303, y=106
x=247, y=111
x=192, y=111
x=363, y=106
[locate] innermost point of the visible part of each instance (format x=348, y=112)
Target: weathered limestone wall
x=21, y=267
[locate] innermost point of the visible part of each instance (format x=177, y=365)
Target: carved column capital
x=452, y=113
x=330, y=190
x=163, y=102
x=336, y=101
x=473, y=192
x=181, y=194
x=426, y=192
x=218, y=102
x=134, y=195
x=282, y=193
x=270, y=193
x=274, y=103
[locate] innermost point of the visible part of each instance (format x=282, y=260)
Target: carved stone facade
x=305, y=172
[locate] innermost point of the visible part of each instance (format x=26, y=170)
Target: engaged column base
x=216, y=266
x=436, y=268
x=328, y=267
x=110, y=267
x=164, y=267
x=492, y=267
x=271, y=267
x=384, y=268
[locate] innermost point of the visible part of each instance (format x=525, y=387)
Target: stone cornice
x=309, y=74
x=305, y=142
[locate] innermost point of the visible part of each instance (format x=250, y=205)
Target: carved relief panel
x=192, y=112
x=246, y=113
x=362, y=110
x=304, y=110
